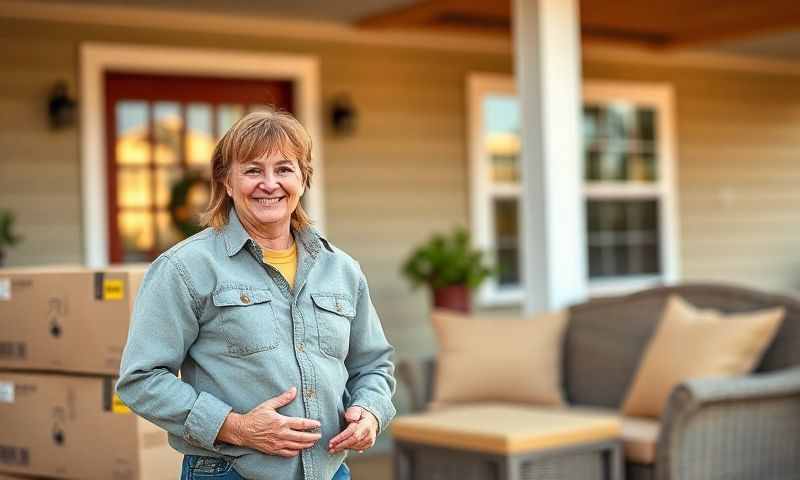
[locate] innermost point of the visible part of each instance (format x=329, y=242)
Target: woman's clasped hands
x=266, y=430
x=360, y=434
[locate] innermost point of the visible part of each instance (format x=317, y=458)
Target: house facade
x=702, y=176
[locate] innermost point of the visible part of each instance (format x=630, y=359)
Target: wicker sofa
x=737, y=428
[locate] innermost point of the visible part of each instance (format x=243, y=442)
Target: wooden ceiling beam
x=418, y=14
x=430, y=12
x=768, y=16
x=672, y=24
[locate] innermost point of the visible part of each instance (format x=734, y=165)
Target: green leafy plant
x=447, y=260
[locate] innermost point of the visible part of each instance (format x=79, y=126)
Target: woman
x=284, y=363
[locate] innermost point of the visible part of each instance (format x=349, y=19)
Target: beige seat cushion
x=505, y=428
x=639, y=436
x=494, y=359
x=692, y=343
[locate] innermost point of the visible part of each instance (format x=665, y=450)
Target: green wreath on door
x=183, y=216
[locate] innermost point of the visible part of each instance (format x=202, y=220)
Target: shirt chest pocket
x=333, y=313
x=248, y=320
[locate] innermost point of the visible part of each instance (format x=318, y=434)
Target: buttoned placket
x=308, y=379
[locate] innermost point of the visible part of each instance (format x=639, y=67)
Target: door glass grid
x=150, y=161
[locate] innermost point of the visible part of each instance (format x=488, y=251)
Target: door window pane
x=501, y=137
x=133, y=187
x=136, y=231
x=227, y=115
x=165, y=179
x=199, y=135
x=132, y=146
x=167, y=132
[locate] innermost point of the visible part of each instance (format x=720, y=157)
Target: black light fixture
x=343, y=115
x=60, y=107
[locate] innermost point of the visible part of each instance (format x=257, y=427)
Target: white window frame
x=483, y=192
x=660, y=97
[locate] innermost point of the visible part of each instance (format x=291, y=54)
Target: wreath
x=183, y=216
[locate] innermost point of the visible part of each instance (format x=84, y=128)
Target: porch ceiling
x=667, y=25
x=766, y=29
x=321, y=10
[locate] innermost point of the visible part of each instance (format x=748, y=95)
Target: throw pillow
x=692, y=343
x=486, y=359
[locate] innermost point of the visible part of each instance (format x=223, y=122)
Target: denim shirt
x=239, y=334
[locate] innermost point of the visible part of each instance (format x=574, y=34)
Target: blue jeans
x=196, y=467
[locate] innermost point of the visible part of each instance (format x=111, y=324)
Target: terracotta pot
x=454, y=297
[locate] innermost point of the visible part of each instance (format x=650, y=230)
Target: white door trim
x=96, y=58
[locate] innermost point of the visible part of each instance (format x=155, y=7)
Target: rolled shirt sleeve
x=371, y=381
x=164, y=325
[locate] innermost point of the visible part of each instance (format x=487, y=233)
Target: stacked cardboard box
x=62, y=332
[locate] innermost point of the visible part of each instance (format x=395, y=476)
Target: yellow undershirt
x=285, y=261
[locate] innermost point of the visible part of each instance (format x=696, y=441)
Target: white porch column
x=547, y=55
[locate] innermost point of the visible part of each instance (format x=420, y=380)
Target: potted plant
x=7, y=238
x=450, y=267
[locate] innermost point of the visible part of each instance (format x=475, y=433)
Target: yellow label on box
x=117, y=406
x=113, y=289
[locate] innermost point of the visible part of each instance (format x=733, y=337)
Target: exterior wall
x=399, y=178
x=403, y=175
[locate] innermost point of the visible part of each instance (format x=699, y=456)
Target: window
x=628, y=171
x=494, y=182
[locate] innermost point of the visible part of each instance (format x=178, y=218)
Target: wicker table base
x=595, y=461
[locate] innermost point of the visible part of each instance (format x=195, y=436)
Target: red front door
x=159, y=129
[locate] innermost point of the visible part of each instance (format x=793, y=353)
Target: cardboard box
x=69, y=426
x=68, y=319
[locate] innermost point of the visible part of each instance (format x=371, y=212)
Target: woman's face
x=266, y=190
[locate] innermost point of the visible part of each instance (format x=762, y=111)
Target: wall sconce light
x=343, y=115
x=60, y=107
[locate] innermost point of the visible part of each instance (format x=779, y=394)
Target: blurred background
x=682, y=161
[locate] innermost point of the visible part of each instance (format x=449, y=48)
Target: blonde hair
x=256, y=134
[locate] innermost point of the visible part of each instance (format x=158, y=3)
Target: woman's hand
x=266, y=430
x=359, y=435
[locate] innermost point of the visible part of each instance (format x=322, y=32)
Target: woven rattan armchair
x=724, y=428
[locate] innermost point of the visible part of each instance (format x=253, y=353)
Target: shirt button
x=310, y=393
x=300, y=347
x=339, y=307
x=244, y=298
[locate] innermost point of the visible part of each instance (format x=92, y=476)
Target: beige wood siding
x=401, y=177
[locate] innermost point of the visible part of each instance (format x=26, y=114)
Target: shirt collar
x=237, y=237
x=234, y=234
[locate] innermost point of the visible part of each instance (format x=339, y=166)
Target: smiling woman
x=263, y=158
x=259, y=313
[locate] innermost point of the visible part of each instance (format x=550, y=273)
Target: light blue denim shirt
x=239, y=334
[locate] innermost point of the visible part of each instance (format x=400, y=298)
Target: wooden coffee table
x=507, y=442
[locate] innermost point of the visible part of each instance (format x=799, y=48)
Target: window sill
x=614, y=286
x=492, y=296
